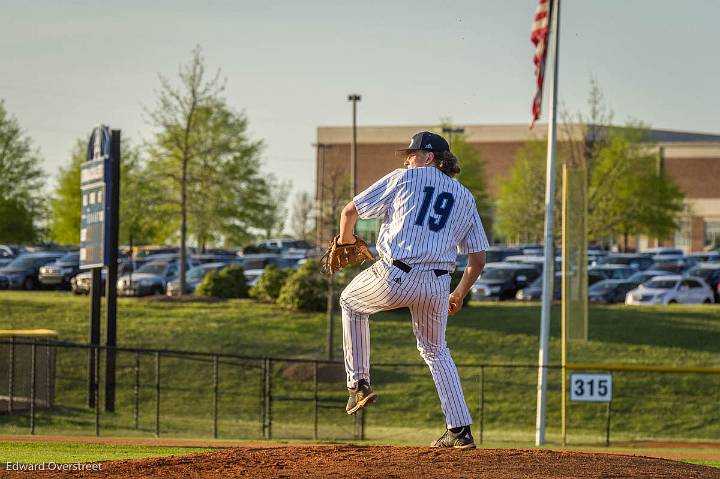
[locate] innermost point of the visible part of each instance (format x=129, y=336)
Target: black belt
x=406, y=268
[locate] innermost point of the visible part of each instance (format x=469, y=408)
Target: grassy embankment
x=646, y=406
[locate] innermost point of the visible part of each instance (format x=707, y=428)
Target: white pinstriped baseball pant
x=383, y=287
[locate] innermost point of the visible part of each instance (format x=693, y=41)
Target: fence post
x=362, y=424
x=215, y=396
x=269, y=398
x=263, y=387
x=11, y=375
x=32, y=386
x=607, y=430
x=564, y=406
x=96, y=384
x=53, y=372
x=47, y=372
x=482, y=402
x=315, y=400
x=136, y=391
x=157, y=394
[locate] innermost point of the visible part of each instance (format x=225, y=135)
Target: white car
x=252, y=276
x=671, y=289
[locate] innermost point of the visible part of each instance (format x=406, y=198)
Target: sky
x=289, y=65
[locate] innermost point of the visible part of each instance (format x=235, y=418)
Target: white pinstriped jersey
x=428, y=218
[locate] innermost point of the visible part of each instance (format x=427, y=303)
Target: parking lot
x=658, y=276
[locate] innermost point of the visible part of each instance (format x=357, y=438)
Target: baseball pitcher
x=427, y=219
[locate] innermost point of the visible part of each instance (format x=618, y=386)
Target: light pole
x=354, y=98
x=450, y=131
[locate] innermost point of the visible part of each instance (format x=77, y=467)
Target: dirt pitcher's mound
x=393, y=462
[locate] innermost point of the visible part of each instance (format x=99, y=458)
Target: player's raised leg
x=368, y=293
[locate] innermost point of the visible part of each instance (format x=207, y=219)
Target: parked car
x=23, y=271
x=677, y=265
x=193, y=278
x=252, y=276
x=534, y=291
x=199, y=259
x=289, y=261
x=59, y=273
x=150, y=279
x=538, y=262
x=496, y=254
x=634, y=261
x=500, y=281
x=710, y=273
x=532, y=249
x=595, y=255
x=259, y=260
x=279, y=246
x=671, y=289
x=82, y=282
x=610, y=291
x=662, y=258
x=662, y=250
x=705, y=257
x=642, y=276
x=7, y=254
x=613, y=271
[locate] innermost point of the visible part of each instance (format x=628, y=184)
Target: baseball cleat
x=360, y=396
x=457, y=440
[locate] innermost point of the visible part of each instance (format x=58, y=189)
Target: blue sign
x=96, y=185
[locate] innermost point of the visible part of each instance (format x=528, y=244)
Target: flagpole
x=549, y=264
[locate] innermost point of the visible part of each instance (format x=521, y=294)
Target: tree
x=142, y=212
x=472, y=175
x=302, y=216
x=335, y=194
x=273, y=221
x=204, y=162
x=628, y=194
x=625, y=194
x=139, y=215
x=66, y=202
x=17, y=221
x=521, y=196
x=176, y=144
x=20, y=183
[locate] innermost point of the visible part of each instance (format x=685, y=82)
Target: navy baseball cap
x=427, y=141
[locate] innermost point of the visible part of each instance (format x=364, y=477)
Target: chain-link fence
x=30, y=372
x=194, y=394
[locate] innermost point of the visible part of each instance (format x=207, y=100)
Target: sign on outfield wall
x=591, y=387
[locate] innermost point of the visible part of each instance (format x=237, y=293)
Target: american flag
x=539, y=36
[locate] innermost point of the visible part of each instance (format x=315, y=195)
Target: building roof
x=488, y=133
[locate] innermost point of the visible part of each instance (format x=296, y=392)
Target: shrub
x=305, y=289
x=270, y=283
x=226, y=283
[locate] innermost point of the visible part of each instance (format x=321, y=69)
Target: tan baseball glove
x=340, y=255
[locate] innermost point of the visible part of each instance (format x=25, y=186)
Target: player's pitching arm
x=348, y=218
x=476, y=263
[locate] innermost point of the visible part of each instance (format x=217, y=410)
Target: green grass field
x=72, y=452
x=645, y=406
